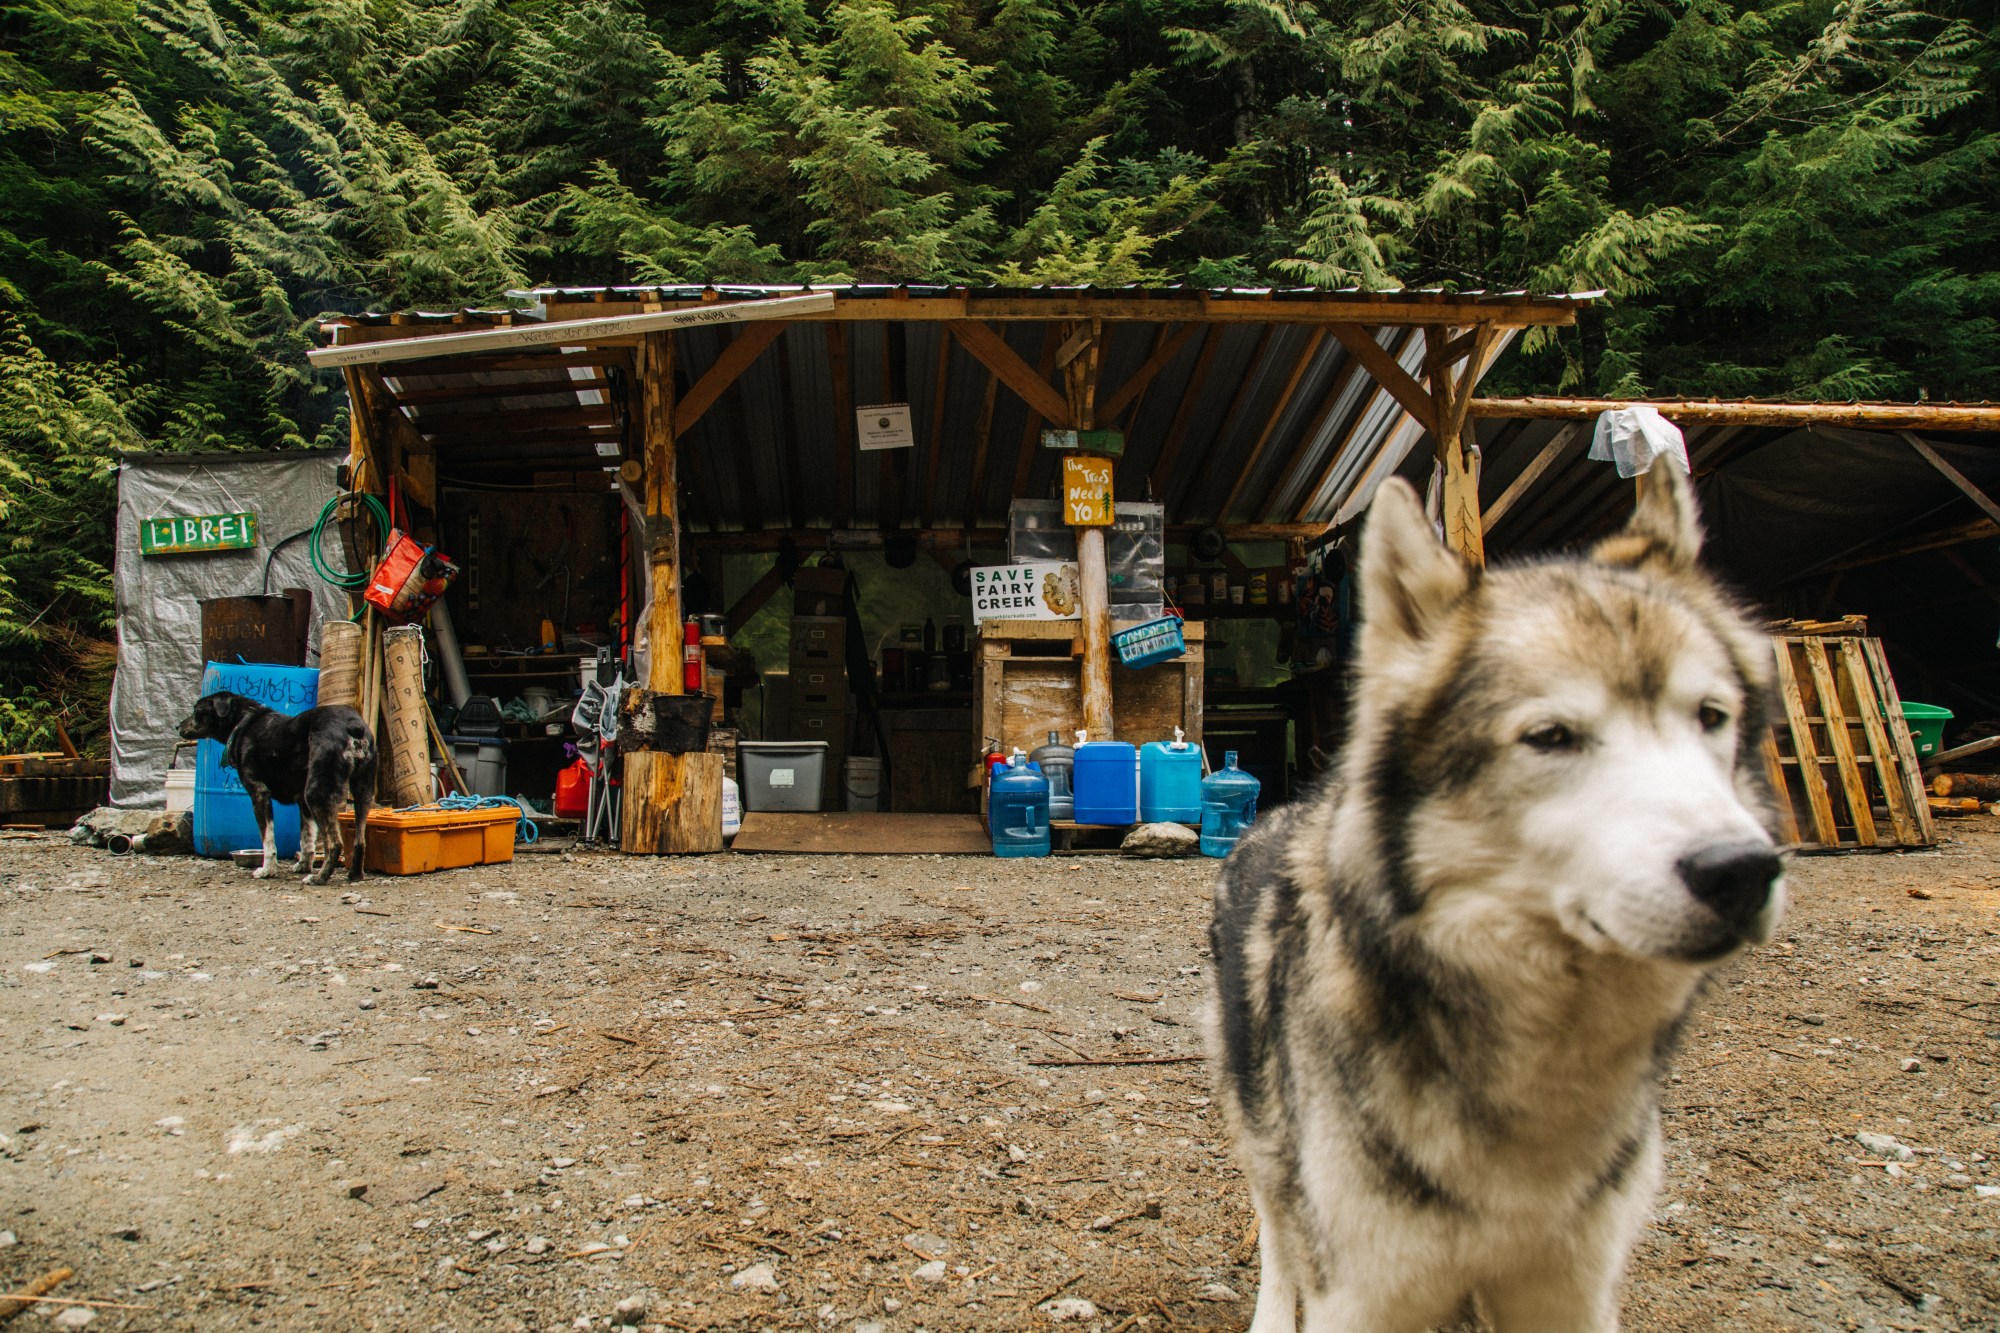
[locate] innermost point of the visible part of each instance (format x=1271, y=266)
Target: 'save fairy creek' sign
x=197, y=532
x=1027, y=590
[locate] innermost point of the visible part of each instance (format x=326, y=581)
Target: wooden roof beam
x=1006, y=364
x=1952, y=474
x=1388, y=373
x=736, y=358
x=1278, y=410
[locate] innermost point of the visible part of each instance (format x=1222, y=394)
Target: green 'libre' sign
x=197, y=532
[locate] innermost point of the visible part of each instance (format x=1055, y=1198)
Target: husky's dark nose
x=1733, y=878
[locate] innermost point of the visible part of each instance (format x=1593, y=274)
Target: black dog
x=312, y=761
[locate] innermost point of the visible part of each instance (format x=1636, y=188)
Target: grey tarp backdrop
x=159, y=597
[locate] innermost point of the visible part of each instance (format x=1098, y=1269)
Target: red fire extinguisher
x=691, y=663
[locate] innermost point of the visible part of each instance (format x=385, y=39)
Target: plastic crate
x=1154, y=641
x=413, y=842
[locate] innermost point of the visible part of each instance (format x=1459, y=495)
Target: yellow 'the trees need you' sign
x=1086, y=491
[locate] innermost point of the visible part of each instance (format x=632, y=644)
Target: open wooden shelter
x=728, y=417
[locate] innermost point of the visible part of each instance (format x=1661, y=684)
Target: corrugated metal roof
x=1249, y=421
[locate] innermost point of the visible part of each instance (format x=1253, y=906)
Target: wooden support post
x=670, y=800
x=1084, y=342
x=1457, y=444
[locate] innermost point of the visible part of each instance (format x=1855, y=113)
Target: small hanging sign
x=1087, y=491
x=196, y=533
x=1027, y=590
x=1105, y=441
x=884, y=426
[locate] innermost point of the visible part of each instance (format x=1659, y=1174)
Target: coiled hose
x=320, y=564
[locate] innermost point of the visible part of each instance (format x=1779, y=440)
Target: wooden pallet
x=1841, y=757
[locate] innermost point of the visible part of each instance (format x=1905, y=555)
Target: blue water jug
x=1228, y=806
x=223, y=820
x=1107, y=782
x=1170, y=781
x=1019, y=815
x=1058, y=763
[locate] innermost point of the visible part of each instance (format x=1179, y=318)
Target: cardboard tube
x=405, y=715
x=340, y=663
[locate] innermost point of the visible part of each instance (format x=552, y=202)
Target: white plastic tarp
x=159, y=597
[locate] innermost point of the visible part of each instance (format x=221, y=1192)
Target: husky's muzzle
x=1734, y=880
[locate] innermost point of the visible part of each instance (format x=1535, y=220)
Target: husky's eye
x=1550, y=738
x=1712, y=718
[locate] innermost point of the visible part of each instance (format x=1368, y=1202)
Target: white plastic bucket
x=732, y=809
x=863, y=780
x=180, y=789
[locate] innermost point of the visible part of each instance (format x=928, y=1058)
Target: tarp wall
x=159, y=597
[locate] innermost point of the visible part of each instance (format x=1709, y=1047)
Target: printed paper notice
x=884, y=426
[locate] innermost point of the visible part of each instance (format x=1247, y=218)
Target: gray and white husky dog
x=1447, y=988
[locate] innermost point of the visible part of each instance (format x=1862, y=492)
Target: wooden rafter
x=1166, y=347
x=752, y=504
x=788, y=418
x=892, y=466
x=1031, y=424
x=1237, y=402
x=1400, y=384
x=1951, y=474
x=1530, y=474
x=975, y=485
x=1684, y=412
x=1352, y=430
x=1006, y=364
x=743, y=349
x=611, y=358
x=459, y=393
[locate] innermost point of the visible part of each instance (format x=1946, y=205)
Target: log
x=672, y=803
x=1686, y=412
x=1984, y=786
x=1956, y=805
x=1093, y=574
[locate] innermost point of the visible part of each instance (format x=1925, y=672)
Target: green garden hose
x=319, y=562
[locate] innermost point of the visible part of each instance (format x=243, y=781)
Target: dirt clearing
x=862, y=1094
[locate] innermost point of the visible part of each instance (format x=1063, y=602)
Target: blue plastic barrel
x=1228, y=806
x=1019, y=814
x=223, y=820
x=1170, y=782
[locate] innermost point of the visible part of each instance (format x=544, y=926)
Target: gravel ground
x=866, y=1093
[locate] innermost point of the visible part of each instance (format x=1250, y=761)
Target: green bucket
x=1926, y=726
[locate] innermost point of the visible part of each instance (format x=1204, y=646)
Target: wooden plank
x=857, y=834
x=752, y=601
x=1166, y=350
x=600, y=358
x=1788, y=822
x=1966, y=751
x=565, y=333
x=1900, y=742
x=1952, y=474
x=1841, y=740
x=737, y=357
x=1033, y=388
x=1894, y=792
x=1811, y=775
x=1529, y=475
x=1388, y=373
x=1278, y=410
x=459, y=393
x=1369, y=308
x=1684, y=412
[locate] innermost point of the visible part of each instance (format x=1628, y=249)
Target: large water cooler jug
x=1058, y=764
x=1228, y=807
x=223, y=820
x=1019, y=819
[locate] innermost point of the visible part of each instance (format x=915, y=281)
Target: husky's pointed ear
x=1408, y=579
x=1665, y=531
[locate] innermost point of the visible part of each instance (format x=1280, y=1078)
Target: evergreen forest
x=1791, y=198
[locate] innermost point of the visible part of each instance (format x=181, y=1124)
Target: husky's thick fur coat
x=316, y=761
x=1447, y=988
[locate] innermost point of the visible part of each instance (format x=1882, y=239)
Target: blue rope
x=525, y=830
